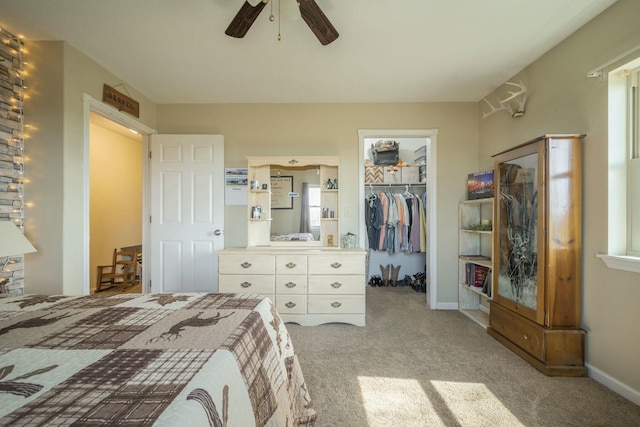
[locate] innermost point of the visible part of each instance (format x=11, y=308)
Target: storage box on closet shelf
x=373, y=174
x=392, y=175
x=410, y=174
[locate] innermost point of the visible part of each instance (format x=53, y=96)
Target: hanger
x=372, y=195
x=407, y=193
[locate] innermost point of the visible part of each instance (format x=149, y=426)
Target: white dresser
x=308, y=286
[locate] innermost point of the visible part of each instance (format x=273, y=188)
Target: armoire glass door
x=518, y=213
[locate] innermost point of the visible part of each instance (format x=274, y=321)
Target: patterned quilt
x=155, y=359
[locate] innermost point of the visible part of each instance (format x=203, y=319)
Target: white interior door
x=187, y=212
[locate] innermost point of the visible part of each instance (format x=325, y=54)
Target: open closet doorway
x=417, y=149
x=115, y=193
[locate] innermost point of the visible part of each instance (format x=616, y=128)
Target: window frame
x=624, y=169
x=633, y=179
x=315, y=225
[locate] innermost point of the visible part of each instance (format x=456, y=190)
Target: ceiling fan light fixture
x=309, y=10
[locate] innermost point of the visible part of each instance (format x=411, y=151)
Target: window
x=633, y=216
x=314, y=205
x=624, y=168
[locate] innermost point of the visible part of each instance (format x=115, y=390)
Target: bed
x=155, y=359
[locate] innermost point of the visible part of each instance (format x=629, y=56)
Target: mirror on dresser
x=296, y=217
x=293, y=201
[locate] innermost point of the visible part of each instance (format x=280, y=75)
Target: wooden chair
x=121, y=272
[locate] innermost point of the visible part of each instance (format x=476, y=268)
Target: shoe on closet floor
x=375, y=281
x=385, y=274
x=395, y=272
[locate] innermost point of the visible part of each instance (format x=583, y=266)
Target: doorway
x=429, y=138
x=108, y=117
x=115, y=192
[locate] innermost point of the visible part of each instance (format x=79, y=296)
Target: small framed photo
x=281, y=189
x=265, y=186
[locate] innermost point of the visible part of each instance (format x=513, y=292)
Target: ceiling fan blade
x=243, y=20
x=317, y=21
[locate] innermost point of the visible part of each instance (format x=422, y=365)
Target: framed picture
x=281, y=187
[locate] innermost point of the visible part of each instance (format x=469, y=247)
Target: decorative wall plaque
x=121, y=101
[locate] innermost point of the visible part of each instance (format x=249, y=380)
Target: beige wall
x=44, y=115
x=332, y=130
x=58, y=78
x=563, y=100
x=116, y=195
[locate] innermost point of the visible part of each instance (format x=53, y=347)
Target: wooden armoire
x=535, y=310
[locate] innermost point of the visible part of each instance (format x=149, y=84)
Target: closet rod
x=394, y=184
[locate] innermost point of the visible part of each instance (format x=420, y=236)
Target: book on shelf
x=476, y=275
x=487, y=284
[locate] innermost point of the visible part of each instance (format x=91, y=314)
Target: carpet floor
x=411, y=366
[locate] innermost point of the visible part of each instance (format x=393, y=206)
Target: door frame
x=90, y=104
x=432, y=136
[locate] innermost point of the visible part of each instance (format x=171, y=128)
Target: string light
x=15, y=113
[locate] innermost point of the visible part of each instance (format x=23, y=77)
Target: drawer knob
x=336, y=285
x=290, y=285
x=336, y=265
x=290, y=265
x=245, y=264
x=245, y=284
x=336, y=304
x=525, y=336
x=290, y=304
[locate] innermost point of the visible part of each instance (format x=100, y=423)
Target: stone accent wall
x=11, y=153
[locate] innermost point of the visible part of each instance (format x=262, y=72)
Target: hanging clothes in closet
x=396, y=222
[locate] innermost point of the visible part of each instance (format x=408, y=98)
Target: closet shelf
x=393, y=184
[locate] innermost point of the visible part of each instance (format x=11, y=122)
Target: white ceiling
x=175, y=51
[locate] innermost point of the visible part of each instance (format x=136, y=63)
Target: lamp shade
x=12, y=241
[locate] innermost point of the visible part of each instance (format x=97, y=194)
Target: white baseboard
x=447, y=306
x=614, y=384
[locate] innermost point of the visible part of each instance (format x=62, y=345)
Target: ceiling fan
x=309, y=10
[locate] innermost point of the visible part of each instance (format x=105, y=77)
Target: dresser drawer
x=338, y=263
x=291, y=304
x=246, y=264
x=337, y=284
x=291, y=284
x=522, y=332
x=336, y=304
x=291, y=264
x=246, y=284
